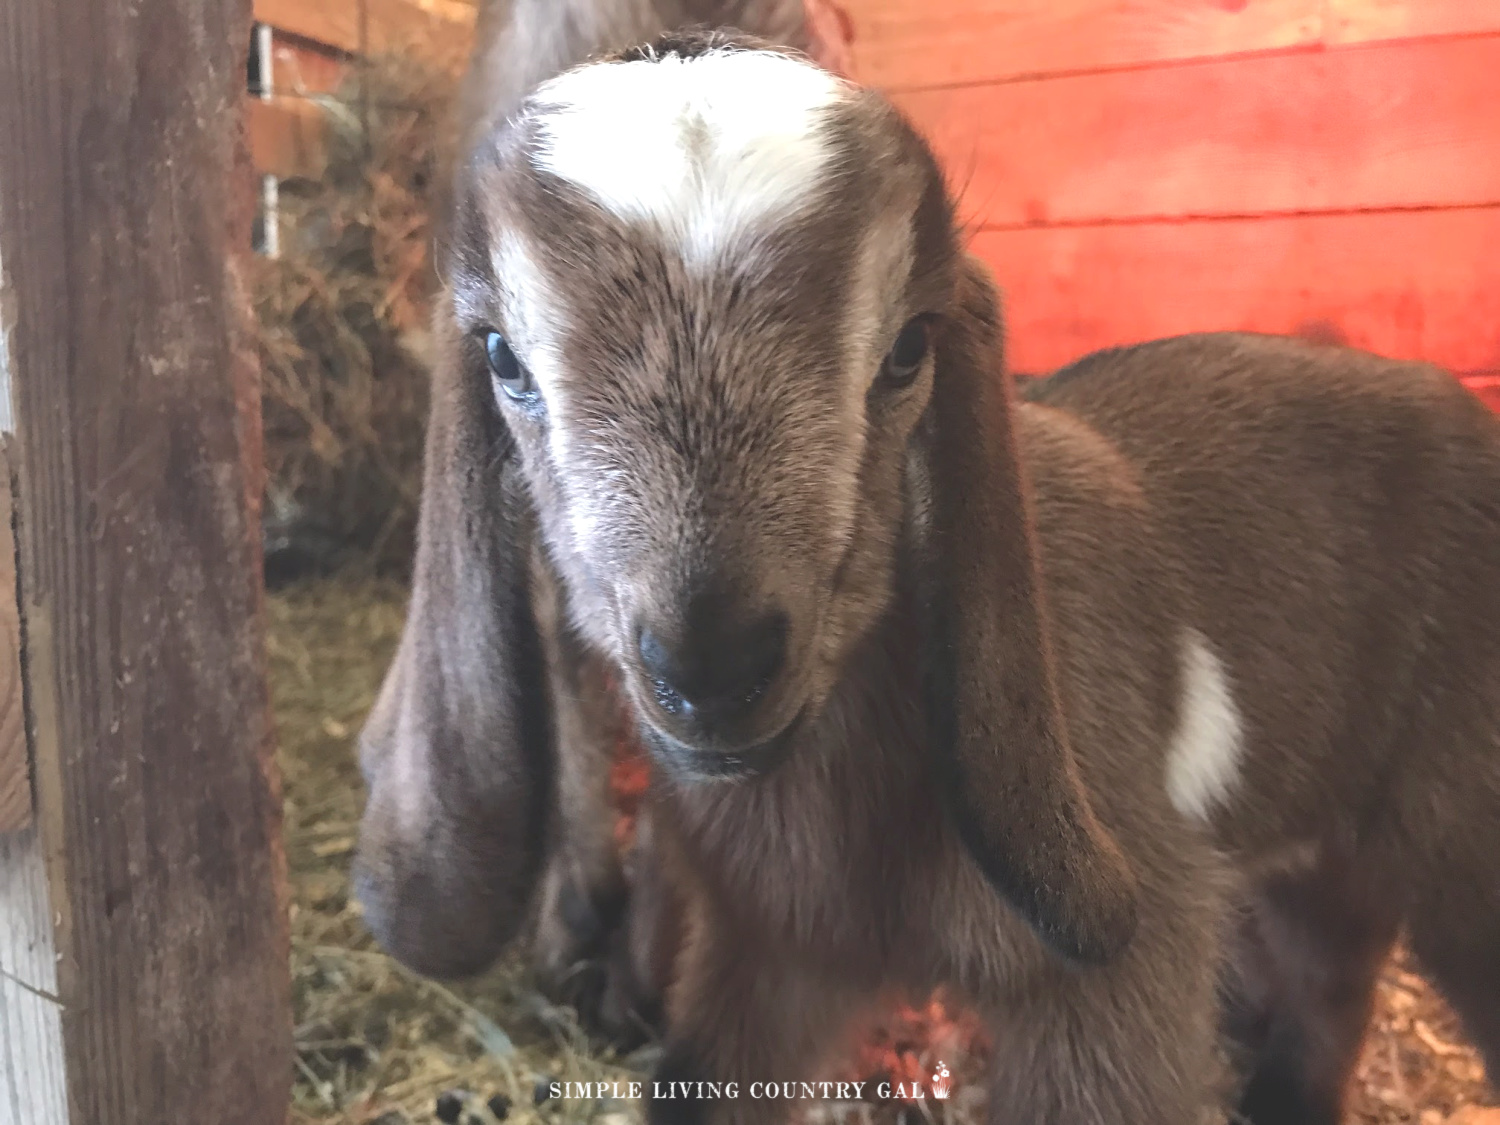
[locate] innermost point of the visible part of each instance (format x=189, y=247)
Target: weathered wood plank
x=1398, y=125
x=32, y=1086
x=434, y=26
x=1417, y=285
x=124, y=207
x=15, y=769
x=912, y=44
x=1361, y=21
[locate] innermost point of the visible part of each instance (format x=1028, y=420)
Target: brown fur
x=577, y=928
x=959, y=776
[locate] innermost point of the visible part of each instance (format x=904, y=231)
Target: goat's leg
x=1131, y=1043
x=645, y=949
x=583, y=895
x=1313, y=949
x=1465, y=963
x=1454, y=924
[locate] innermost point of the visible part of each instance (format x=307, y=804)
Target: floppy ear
x=457, y=750
x=992, y=691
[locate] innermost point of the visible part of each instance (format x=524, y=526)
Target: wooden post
x=32, y=1091
x=125, y=206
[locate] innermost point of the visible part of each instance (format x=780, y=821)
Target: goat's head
x=710, y=319
x=703, y=279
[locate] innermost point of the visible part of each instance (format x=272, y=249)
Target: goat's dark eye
x=904, y=361
x=509, y=373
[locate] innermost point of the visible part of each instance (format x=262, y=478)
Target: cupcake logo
x=942, y=1083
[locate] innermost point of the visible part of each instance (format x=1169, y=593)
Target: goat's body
x=1327, y=524
x=1336, y=524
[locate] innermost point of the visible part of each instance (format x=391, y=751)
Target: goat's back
x=1331, y=522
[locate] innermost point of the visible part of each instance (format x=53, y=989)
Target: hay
x=372, y=1040
x=1416, y=1066
x=342, y=320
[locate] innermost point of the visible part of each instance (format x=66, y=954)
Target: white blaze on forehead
x=703, y=146
x=1203, y=764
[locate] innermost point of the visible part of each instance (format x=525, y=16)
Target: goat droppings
x=450, y=1106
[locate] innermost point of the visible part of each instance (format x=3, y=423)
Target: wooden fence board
x=911, y=44
x=124, y=207
x=1410, y=124
x=299, y=68
x=15, y=769
x=389, y=25
x=1360, y=21
x=1419, y=285
x=287, y=136
x=33, y=1089
x=915, y=44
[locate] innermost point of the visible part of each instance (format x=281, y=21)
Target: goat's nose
x=717, y=665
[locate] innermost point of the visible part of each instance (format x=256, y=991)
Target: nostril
x=718, y=665
x=762, y=651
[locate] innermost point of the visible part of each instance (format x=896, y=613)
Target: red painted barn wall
x=1135, y=168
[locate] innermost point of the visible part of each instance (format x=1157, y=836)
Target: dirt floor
x=378, y=1046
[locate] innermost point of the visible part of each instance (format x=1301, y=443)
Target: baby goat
x=578, y=925
x=1024, y=699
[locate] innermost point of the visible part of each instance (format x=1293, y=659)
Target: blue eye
x=508, y=372
x=904, y=361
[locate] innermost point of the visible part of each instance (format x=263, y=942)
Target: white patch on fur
x=1203, y=765
x=536, y=314
x=704, y=147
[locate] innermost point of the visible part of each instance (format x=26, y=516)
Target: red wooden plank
x=913, y=44
x=1408, y=124
x=437, y=30
x=909, y=44
x=301, y=68
x=1359, y=21
x=287, y=137
x=1419, y=285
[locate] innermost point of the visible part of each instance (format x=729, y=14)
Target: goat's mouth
x=690, y=763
